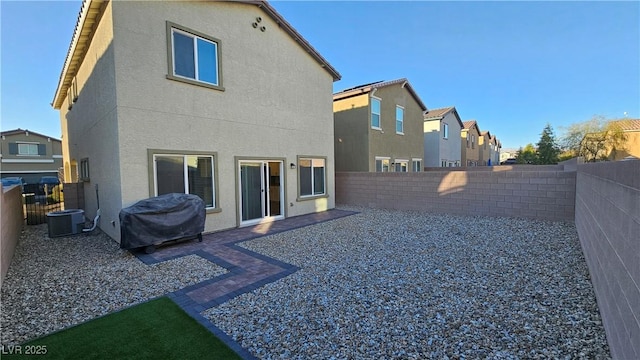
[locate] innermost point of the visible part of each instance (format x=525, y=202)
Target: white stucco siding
x=450, y=148
x=90, y=128
x=277, y=101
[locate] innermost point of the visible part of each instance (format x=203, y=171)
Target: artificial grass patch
x=158, y=329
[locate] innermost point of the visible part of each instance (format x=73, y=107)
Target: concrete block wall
x=12, y=218
x=546, y=194
x=608, y=224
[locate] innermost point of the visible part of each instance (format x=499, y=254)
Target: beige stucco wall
x=90, y=128
x=276, y=103
x=469, y=153
x=631, y=146
x=387, y=142
x=484, y=150
x=352, y=125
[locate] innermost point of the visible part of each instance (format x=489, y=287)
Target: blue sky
x=512, y=66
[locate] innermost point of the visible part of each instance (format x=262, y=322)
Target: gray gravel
x=399, y=284
x=56, y=283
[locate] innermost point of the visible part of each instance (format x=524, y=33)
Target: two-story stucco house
x=470, y=135
x=29, y=155
x=225, y=100
x=442, y=137
x=378, y=128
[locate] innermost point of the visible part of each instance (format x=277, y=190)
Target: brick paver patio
x=247, y=270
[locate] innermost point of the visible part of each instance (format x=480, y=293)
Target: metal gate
x=40, y=200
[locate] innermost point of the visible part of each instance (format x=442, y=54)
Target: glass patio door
x=260, y=192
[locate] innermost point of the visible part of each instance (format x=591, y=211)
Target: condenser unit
x=65, y=222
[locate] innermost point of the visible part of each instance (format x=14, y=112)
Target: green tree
x=547, y=148
x=527, y=155
x=595, y=139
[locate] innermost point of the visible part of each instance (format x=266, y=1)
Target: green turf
x=158, y=329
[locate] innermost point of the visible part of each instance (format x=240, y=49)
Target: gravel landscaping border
x=56, y=283
x=403, y=284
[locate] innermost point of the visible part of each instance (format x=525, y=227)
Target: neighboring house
x=221, y=99
x=442, y=137
x=631, y=130
x=470, y=135
x=484, y=148
x=29, y=155
x=495, y=146
x=378, y=127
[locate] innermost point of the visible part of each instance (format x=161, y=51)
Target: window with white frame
x=28, y=149
x=401, y=165
x=382, y=164
x=185, y=173
x=468, y=140
x=84, y=169
x=445, y=130
x=194, y=57
x=399, y=119
x=416, y=165
x=443, y=163
x=312, y=176
x=375, y=112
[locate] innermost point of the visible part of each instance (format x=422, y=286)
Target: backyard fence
x=40, y=200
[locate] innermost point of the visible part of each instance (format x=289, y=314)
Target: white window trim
x=413, y=160
x=399, y=161
x=382, y=158
x=402, y=132
x=445, y=131
x=379, y=115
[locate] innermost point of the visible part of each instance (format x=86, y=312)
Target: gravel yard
x=399, y=284
x=375, y=285
x=56, y=283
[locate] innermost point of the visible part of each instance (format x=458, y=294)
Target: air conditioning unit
x=65, y=222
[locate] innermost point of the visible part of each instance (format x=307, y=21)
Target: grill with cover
x=151, y=222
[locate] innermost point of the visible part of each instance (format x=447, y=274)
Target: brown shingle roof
x=362, y=89
x=20, y=131
x=437, y=113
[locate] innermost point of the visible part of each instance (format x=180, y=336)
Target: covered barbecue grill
x=159, y=219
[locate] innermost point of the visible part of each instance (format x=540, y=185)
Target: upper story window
x=27, y=149
x=416, y=165
x=375, y=113
x=467, y=140
x=401, y=166
x=193, y=57
x=445, y=131
x=473, y=141
x=399, y=119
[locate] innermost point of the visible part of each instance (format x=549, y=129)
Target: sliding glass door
x=259, y=191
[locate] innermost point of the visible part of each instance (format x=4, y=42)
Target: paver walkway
x=247, y=270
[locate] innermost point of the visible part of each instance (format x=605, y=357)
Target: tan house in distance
x=224, y=100
x=378, y=128
x=484, y=148
x=631, y=130
x=29, y=155
x=470, y=150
